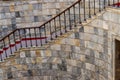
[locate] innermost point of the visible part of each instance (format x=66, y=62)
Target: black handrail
x=78, y=12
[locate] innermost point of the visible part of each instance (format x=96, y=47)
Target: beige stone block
x=38, y=59
x=48, y=53
x=56, y=61
x=30, y=7
x=12, y=8
x=71, y=62
x=33, y=60
x=90, y=66
x=37, y=53
x=82, y=58
x=77, y=42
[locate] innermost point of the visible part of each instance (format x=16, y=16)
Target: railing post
x=45, y=32
x=9, y=44
x=84, y=10
x=40, y=32
x=79, y=13
x=55, y=28
x=99, y=6
x=20, y=38
x=104, y=4
x=35, y=37
x=65, y=23
x=15, y=41
x=1, y=57
x=113, y=1
x=118, y=4
x=4, y=49
x=25, y=38
x=108, y=2
x=74, y=16
x=30, y=38
x=94, y=8
x=60, y=25
x=70, y=20
x=50, y=31
x=89, y=9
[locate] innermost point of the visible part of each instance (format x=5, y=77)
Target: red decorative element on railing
x=117, y=4
x=78, y=12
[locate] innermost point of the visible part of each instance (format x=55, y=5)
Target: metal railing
x=78, y=12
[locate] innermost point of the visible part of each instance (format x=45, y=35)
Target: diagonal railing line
x=44, y=22
x=79, y=11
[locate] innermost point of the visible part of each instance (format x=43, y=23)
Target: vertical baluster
x=50, y=31
x=4, y=46
x=80, y=21
x=55, y=28
x=89, y=9
x=15, y=41
x=70, y=19
x=99, y=6
x=113, y=1
x=35, y=36
x=84, y=11
x=94, y=8
x=60, y=25
x=45, y=32
x=108, y=2
x=1, y=57
x=74, y=16
x=104, y=4
x=65, y=23
x=10, y=44
x=118, y=3
x=25, y=38
x=30, y=38
x=40, y=32
x=20, y=38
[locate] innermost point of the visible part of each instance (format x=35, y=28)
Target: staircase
x=35, y=51
x=79, y=12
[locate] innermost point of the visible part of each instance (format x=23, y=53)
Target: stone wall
x=26, y=13
x=86, y=53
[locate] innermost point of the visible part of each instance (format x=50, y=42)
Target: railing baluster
x=40, y=32
x=65, y=23
x=84, y=11
x=113, y=1
x=70, y=20
x=15, y=41
x=108, y=2
x=50, y=31
x=20, y=37
x=30, y=38
x=89, y=9
x=74, y=15
x=35, y=37
x=25, y=38
x=99, y=6
x=60, y=25
x=80, y=21
x=4, y=49
x=10, y=44
x=118, y=4
x=94, y=8
x=45, y=32
x=104, y=4
x=55, y=28
x=1, y=57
